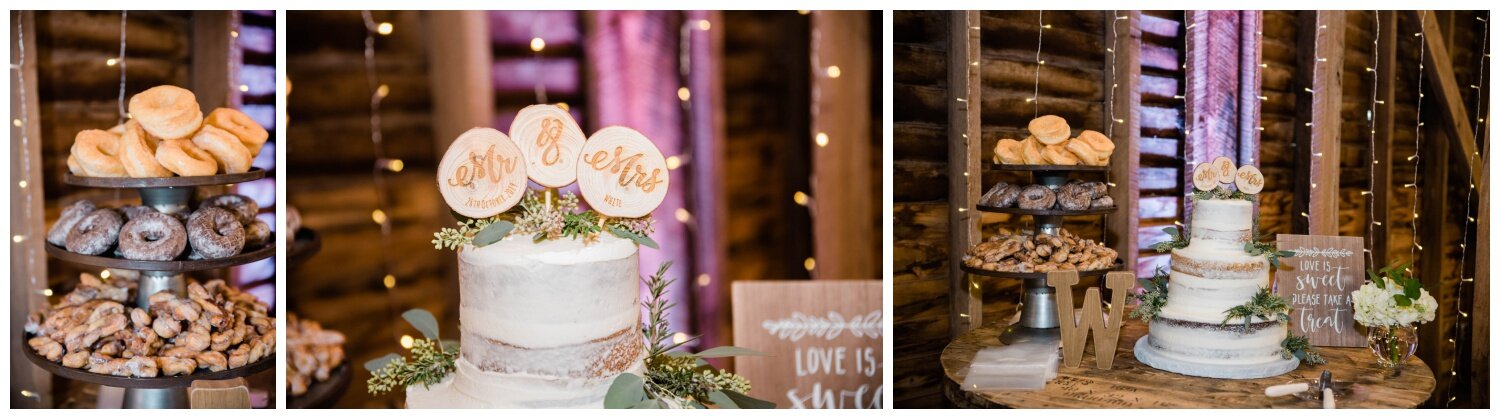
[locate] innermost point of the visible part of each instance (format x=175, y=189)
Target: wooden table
x=1132, y=384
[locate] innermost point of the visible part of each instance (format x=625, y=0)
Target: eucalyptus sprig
x=433, y=359
x=678, y=379
x=1178, y=241
x=1273, y=255
x=1299, y=347
x=1152, y=297
x=1263, y=304
x=1220, y=192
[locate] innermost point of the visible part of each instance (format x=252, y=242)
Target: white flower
x=1374, y=306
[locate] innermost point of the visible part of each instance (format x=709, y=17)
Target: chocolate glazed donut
x=243, y=207
x=215, y=233
x=58, y=235
x=96, y=233
x=152, y=236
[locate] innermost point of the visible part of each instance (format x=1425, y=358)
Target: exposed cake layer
x=1220, y=264
x=550, y=294
x=1222, y=224
x=606, y=357
x=1194, y=298
x=472, y=388
x=1211, y=343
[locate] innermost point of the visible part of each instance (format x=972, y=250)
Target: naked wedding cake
x=544, y=324
x=1213, y=273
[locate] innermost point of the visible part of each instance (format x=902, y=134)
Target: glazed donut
x=1102, y=146
x=1036, y=197
x=98, y=153
x=1058, y=155
x=58, y=235
x=242, y=206
x=138, y=153
x=215, y=233
x=168, y=112
x=1031, y=151
x=257, y=233
x=1049, y=129
x=250, y=134
x=133, y=211
x=1008, y=151
x=185, y=159
x=96, y=233
x=233, y=157
x=152, y=236
x=74, y=167
x=1074, y=196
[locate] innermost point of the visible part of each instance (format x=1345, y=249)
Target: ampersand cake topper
x=1224, y=168
x=621, y=173
x=550, y=140
x=482, y=174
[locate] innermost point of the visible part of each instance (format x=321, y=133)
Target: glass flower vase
x=1392, y=345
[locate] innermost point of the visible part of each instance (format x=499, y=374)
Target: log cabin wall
x=329, y=157
x=1071, y=87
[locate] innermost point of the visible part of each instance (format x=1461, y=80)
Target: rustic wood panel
x=963, y=162
x=28, y=269
x=1381, y=182
x=1123, y=93
x=842, y=178
x=1318, y=144
x=1439, y=68
x=1479, y=367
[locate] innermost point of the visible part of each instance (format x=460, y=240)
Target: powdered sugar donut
x=1036, y=197
x=133, y=211
x=168, y=112
x=257, y=233
x=215, y=233
x=242, y=206
x=96, y=233
x=152, y=236
x=58, y=235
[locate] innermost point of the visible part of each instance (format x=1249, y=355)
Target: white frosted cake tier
x=471, y=388
x=1221, y=224
x=547, y=324
x=1193, y=298
x=1210, y=350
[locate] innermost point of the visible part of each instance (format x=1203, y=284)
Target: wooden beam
x=1320, y=58
x=1381, y=183
x=1251, y=26
x=1122, y=92
x=842, y=179
x=1432, y=264
x=458, y=60
x=216, y=59
x=963, y=165
x=1479, y=366
x=28, y=268
x=1438, y=67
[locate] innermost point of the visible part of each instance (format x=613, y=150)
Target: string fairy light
x=1463, y=244
x=378, y=92
x=1374, y=100
x=1417, y=157
x=1036, y=87
x=121, y=61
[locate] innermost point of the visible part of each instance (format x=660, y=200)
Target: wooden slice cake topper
x=1224, y=167
x=621, y=173
x=550, y=139
x=1205, y=177
x=1249, y=180
x=482, y=174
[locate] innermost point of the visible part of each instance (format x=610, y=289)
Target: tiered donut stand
x=1038, y=320
x=320, y=395
x=171, y=196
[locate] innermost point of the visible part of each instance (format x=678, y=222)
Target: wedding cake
x=545, y=324
x=1213, y=273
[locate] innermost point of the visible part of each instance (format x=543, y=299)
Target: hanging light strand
x=1417, y=157
x=380, y=215
x=121, y=61
x=1463, y=244
x=1374, y=101
x=1036, y=87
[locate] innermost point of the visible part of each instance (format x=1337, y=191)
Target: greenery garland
x=1299, y=347
x=433, y=359
x=1152, y=297
x=535, y=217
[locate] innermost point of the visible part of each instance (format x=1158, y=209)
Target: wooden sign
x=1106, y=330
x=551, y=140
x=482, y=174
x=1205, y=178
x=621, y=173
x=1224, y=168
x=824, y=338
x=1249, y=180
x=1317, y=283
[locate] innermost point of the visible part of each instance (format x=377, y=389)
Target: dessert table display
x=1132, y=384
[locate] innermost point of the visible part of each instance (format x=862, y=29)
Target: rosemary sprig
x=429, y=366
x=542, y=222
x=1152, y=297
x=1298, y=346
x=1264, y=305
x=1220, y=192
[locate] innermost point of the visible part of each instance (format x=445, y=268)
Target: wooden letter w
x=1106, y=333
